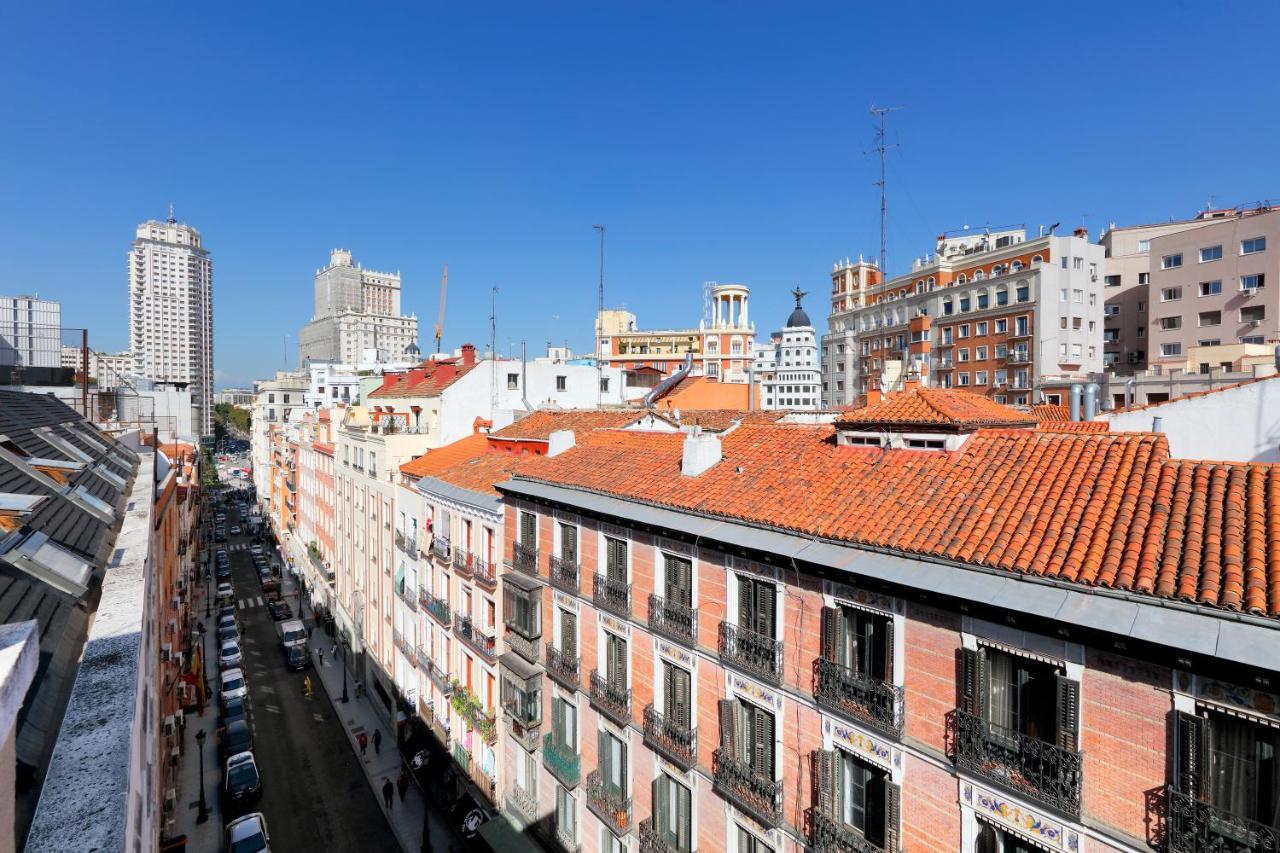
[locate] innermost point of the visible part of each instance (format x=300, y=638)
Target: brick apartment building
x=1014, y=318
x=790, y=637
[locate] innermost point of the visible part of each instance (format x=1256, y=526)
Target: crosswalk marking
x=251, y=601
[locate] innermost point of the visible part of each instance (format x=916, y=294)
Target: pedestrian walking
x=377, y=741
x=402, y=784
x=363, y=740
x=321, y=653
x=388, y=792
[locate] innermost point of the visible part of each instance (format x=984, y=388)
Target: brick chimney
x=389, y=379
x=874, y=395
x=1082, y=233
x=468, y=354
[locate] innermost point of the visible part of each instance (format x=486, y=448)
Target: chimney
x=701, y=452
x=874, y=395
x=468, y=354
x=911, y=385
x=560, y=441
x=1082, y=233
x=389, y=379
x=445, y=372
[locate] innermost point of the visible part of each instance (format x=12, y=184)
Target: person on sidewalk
x=402, y=784
x=388, y=792
x=363, y=740
x=377, y=741
x=321, y=653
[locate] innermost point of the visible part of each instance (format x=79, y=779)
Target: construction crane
x=444, y=285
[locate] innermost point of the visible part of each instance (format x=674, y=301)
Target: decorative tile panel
x=758, y=693
x=1002, y=811
x=873, y=749
x=568, y=602
x=618, y=626
x=1257, y=702
x=675, y=654
x=855, y=597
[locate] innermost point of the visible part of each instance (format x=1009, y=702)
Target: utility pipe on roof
x=1076, y=391
x=1091, y=392
x=524, y=377
x=1131, y=386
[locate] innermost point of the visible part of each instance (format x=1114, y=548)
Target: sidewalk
x=207, y=835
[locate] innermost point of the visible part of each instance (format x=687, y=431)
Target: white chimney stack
x=701, y=452
x=560, y=441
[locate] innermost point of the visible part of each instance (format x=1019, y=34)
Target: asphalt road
x=314, y=793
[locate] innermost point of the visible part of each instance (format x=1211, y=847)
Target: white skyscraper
x=30, y=332
x=171, y=311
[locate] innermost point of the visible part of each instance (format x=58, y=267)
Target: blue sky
x=715, y=141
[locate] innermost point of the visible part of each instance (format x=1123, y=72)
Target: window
x=984, y=300
x=604, y=384
x=859, y=796
x=1111, y=281
x=1170, y=323
x=962, y=354
x=1170, y=294
x=963, y=331
x=980, y=329
x=746, y=736
x=963, y=380
x=991, y=839
x=1233, y=763
x=1252, y=282
x=1253, y=314
x=1169, y=262
x=564, y=724
x=980, y=354
x=613, y=765
x=1253, y=245
x=1002, y=326
x=1020, y=696
x=980, y=377
x=757, y=604
x=1170, y=349
x=1210, y=318
x=513, y=381
x=561, y=383
x=1210, y=288
x=616, y=559
x=528, y=529
x=1210, y=253
x=522, y=608
x=748, y=843
x=615, y=664
x=566, y=814
x=1023, y=293
x=673, y=814
x=678, y=577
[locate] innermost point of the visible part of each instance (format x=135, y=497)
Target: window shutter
x=825, y=769
x=831, y=633
x=1068, y=713
x=887, y=628
x=746, y=604
x=892, y=807
x=569, y=543
x=622, y=776
x=526, y=529
x=729, y=728
x=659, y=789
x=605, y=753
x=568, y=634
x=762, y=743
x=680, y=679
x=679, y=581
x=1192, y=737
x=767, y=595
x=684, y=817
x=557, y=720
x=972, y=681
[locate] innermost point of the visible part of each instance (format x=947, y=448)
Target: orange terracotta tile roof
x=1140, y=407
x=431, y=463
x=701, y=392
x=936, y=407
x=480, y=473
x=1073, y=426
x=1048, y=412
x=426, y=380
x=538, y=425
x=1100, y=509
x=719, y=420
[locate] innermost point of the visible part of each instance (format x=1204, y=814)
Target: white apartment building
x=106, y=370
x=357, y=310
x=787, y=370
x=30, y=332
x=1016, y=319
x=171, y=311
x=275, y=399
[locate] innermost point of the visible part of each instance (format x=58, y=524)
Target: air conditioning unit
x=168, y=725
x=165, y=652
x=173, y=626
x=1253, y=324
x=170, y=799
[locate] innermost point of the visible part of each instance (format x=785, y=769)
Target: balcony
x=469, y=708
x=461, y=563
x=651, y=840
x=1015, y=334
x=756, y=795
x=525, y=802
x=753, y=653
x=470, y=633
x=561, y=761
x=946, y=364
x=438, y=676
x=564, y=575
x=526, y=647
x=663, y=735
x=482, y=574
x=673, y=621
x=437, y=607
x=613, y=702
x=1041, y=771
x=405, y=647
x=609, y=805
x=473, y=771
x=524, y=559
x=828, y=835
x=1194, y=826
x=1019, y=357
x=406, y=595
x=440, y=548
x=859, y=698
x=612, y=594
x=562, y=668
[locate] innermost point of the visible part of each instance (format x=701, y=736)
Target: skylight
x=95, y=505
x=41, y=558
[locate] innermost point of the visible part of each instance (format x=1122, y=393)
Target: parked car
x=225, y=619
x=255, y=550
x=227, y=632
x=237, y=737
x=241, y=784
x=226, y=610
x=223, y=572
x=296, y=658
x=279, y=610
x=235, y=530
x=270, y=583
x=225, y=591
x=229, y=656
x=248, y=835
x=233, y=684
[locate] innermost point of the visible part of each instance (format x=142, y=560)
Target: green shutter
x=762, y=743
x=729, y=728
x=569, y=543
x=660, y=818
x=605, y=754
x=746, y=604
x=766, y=595
x=684, y=817
x=568, y=634
x=1068, y=716
x=683, y=706
x=679, y=581
x=831, y=633
x=972, y=681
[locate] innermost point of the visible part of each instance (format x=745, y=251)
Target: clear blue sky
x=716, y=141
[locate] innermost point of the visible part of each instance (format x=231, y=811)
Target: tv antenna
x=880, y=148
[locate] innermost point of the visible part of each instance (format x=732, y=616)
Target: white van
x=292, y=633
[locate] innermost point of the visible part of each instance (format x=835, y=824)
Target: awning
x=520, y=668
x=522, y=581
x=501, y=834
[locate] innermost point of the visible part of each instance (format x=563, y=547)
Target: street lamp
x=203, y=815
x=343, y=646
x=204, y=670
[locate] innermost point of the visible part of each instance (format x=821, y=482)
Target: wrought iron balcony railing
x=482, y=574
x=439, y=608
x=564, y=575
x=479, y=641
x=563, y=668
x=673, y=620
x=652, y=840
x=561, y=761
x=440, y=548
x=524, y=558
x=525, y=802
x=1034, y=768
x=405, y=592
x=858, y=697
x=664, y=735
x=461, y=563
x=438, y=676
x=612, y=594
x=608, y=804
x=1194, y=826
x=828, y=835
x=757, y=795
x=612, y=700
x=754, y=653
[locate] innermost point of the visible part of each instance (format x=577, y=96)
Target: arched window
x=1036, y=259
x=1017, y=266
x=960, y=279
x=931, y=283
x=978, y=275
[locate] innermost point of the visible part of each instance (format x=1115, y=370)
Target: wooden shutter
x=1068, y=717
x=684, y=816
x=831, y=633
x=746, y=604
x=826, y=766
x=679, y=581
x=729, y=728
x=972, y=682
x=568, y=634
x=766, y=597
x=569, y=543
x=660, y=805
x=678, y=685
x=887, y=628
x=528, y=529
x=1192, y=739
x=557, y=720
x=622, y=776
x=605, y=757
x=892, y=809
x=762, y=742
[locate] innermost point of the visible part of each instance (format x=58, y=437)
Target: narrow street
x=314, y=792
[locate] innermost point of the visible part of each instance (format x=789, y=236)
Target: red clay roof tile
x=939, y=407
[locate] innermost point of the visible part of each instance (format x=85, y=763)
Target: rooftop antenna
x=600, y=330
x=880, y=148
x=493, y=351
x=171, y=219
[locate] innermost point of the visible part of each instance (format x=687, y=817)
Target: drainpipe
x=751, y=387
x=1131, y=388
x=1076, y=391
x=524, y=378
x=1091, y=400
